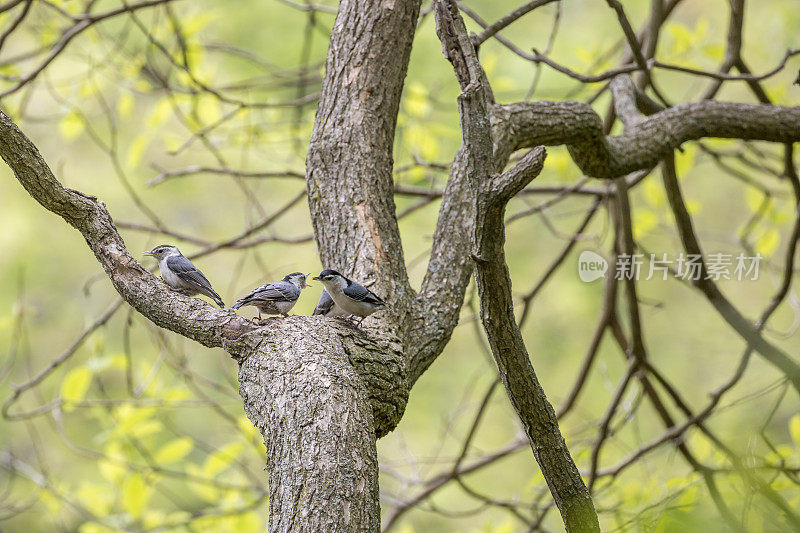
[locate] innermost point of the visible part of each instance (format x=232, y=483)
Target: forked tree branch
x=490, y=194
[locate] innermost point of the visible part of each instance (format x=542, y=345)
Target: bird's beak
x=151, y=254
x=316, y=278
x=307, y=283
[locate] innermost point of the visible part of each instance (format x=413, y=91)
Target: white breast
x=172, y=279
x=349, y=305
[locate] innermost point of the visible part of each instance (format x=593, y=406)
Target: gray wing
x=324, y=305
x=362, y=294
x=190, y=274
x=280, y=291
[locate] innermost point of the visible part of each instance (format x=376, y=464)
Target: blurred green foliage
x=140, y=429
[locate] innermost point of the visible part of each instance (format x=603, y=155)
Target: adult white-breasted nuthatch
x=350, y=296
x=276, y=298
x=180, y=274
x=327, y=307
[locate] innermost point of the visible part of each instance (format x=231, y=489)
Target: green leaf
x=175, y=450
x=135, y=494
x=700, y=445
x=125, y=105
x=136, y=150
x=76, y=383
x=768, y=243
x=71, y=126
x=693, y=206
x=794, y=428
x=95, y=497
x=422, y=142
x=416, y=102
x=249, y=521
x=754, y=198
x=113, y=468
x=208, y=109
x=684, y=161
x=159, y=114
x=653, y=193
x=644, y=220
x=247, y=428
x=222, y=458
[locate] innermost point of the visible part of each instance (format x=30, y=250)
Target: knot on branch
x=378, y=357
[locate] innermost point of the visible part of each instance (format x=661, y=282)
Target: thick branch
x=302, y=391
x=641, y=146
x=191, y=317
x=513, y=361
x=623, y=91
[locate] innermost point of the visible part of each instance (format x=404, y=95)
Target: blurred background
x=190, y=120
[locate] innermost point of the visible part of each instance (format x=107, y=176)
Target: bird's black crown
x=328, y=274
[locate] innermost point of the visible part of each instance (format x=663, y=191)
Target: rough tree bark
x=349, y=164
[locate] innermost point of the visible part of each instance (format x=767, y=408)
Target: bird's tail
x=214, y=296
x=239, y=303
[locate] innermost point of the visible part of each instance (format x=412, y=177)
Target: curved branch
x=641, y=146
x=191, y=317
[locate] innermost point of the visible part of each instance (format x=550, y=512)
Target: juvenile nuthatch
x=350, y=296
x=327, y=307
x=276, y=298
x=181, y=275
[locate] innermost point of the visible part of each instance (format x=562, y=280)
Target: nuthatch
x=350, y=296
x=276, y=298
x=181, y=275
x=327, y=307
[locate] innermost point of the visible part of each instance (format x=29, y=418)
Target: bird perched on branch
x=276, y=298
x=327, y=307
x=350, y=296
x=180, y=274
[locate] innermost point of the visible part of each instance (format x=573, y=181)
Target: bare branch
x=507, y=20
x=641, y=146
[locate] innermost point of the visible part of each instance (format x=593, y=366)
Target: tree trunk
x=349, y=163
x=303, y=391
